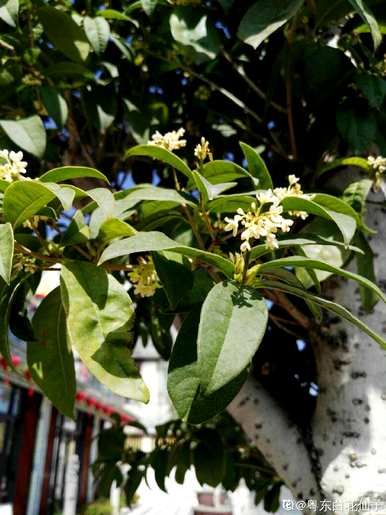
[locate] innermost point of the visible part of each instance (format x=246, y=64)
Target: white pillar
x=71, y=485
x=39, y=458
x=93, y=457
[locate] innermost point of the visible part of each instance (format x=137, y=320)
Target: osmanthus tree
x=210, y=256
x=303, y=83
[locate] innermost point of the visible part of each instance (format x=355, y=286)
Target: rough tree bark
x=348, y=461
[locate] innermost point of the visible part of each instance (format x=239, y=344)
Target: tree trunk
x=347, y=465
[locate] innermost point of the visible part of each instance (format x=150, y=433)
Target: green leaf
x=257, y=167
x=66, y=173
x=190, y=27
x=28, y=133
x=174, y=276
x=209, y=458
x=360, y=162
x=210, y=191
x=69, y=69
x=64, y=33
x=112, y=14
x=230, y=203
x=219, y=171
x=157, y=241
x=99, y=320
x=132, y=197
x=184, y=385
x=50, y=358
x=98, y=32
x=368, y=17
x=357, y=128
x=6, y=251
x=373, y=88
x=365, y=268
x=115, y=228
x=343, y=220
x=162, y=154
x=356, y=194
x=149, y=6
x=55, y=104
x=232, y=324
x=324, y=303
x=264, y=18
x=320, y=265
x=24, y=199
x=9, y=11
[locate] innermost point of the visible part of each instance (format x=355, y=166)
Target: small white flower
x=202, y=150
x=12, y=167
x=266, y=197
x=171, y=140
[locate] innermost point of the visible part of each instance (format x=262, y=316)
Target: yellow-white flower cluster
x=12, y=166
x=378, y=164
x=171, y=140
x=202, y=150
x=266, y=218
x=144, y=277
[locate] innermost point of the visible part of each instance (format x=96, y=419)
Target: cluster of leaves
x=218, y=451
x=75, y=75
x=96, y=236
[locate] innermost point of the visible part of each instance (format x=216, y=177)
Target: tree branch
x=278, y=439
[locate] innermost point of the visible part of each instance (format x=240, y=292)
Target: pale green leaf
x=98, y=32
x=27, y=133
x=66, y=173
x=157, y=241
x=6, y=251
x=256, y=166
x=55, y=104
x=264, y=18
x=9, y=11
x=368, y=17
x=161, y=154
x=100, y=317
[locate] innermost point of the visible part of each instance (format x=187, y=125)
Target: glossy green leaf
x=64, y=33
x=335, y=308
x=232, y=324
x=98, y=32
x=184, y=385
x=24, y=199
x=210, y=191
x=264, y=18
x=360, y=162
x=373, y=88
x=209, y=458
x=9, y=11
x=6, y=251
x=27, y=133
x=219, y=171
x=49, y=357
x=113, y=14
x=66, y=173
x=175, y=277
x=345, y=222
x=55, y=104
x=115, y=228
x=149, y=6
x=358, y=128
x=132, y=197
x=230, y=203
x=161, y=154
x=365, y=268
x=368, y=17
x=99, y=322
x=190, y=27
x=157, y=241
x=321, y=265
x=356, y=194
x=256, y=166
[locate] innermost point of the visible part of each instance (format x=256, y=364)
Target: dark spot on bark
x=285, y=467
x=312, y=492
x=358, y=374
x=366, y=420
x=255, y=401
x=339, y=363
x=299, y=495
x=356, y=345
x=258, y=426
x=294, y=484
x=367, y=408
x=243, y=402
x=268, y=440
x=357, y=402
x=351, y=434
